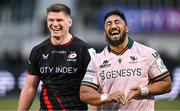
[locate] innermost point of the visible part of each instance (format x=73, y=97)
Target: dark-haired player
x=126, y=74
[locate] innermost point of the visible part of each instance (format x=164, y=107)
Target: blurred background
x=154, y=23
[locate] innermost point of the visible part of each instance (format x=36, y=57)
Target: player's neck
x=121, y=47
x=61, y=40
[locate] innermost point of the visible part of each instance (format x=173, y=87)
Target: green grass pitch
x=10, y=103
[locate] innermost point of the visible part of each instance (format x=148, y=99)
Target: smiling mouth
x=55, y=29
x=115, y=32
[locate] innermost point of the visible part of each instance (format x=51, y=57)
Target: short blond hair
x=59, y=8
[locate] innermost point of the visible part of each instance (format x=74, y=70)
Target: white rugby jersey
x=138, y=65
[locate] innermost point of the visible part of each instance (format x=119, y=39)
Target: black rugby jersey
x=61, y=69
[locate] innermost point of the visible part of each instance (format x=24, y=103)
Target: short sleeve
x=33, y=62
x=87, y=54
x=157, y=67
x=90, y=78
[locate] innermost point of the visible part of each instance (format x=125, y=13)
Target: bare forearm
x=94, y=98
x=156, y=88
x=160, y=87
x=91, y=97
x=26, y=99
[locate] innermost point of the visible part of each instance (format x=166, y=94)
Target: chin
x=115, y=39
x=56, y=35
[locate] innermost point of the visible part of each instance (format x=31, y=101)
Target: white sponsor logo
x=69, y=70
x=45, y=56
x=161, y=65
x=58, y=52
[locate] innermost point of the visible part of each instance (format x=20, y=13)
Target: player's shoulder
x=143, y=48
x=100, y=55
x=41, y=45
x=80, y=42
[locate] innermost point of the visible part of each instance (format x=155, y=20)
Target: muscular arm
x=93, y=97
x=28, y=92
x=90, y=95
x=160, y=87
x=155, y=88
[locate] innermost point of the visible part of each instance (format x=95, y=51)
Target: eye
x=59, y=20
x=117, y=22
x=108, y=23
x=50, y=20
x=120, y=22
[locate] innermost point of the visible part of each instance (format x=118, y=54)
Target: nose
x=55, y=23
x=113, y=25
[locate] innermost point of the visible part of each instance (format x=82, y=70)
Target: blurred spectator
x=13, y=62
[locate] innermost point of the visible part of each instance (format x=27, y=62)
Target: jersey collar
x=130, y=42
x=64, y=45
x=129, y=45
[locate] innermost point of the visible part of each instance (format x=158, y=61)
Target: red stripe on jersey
x=59, y=101
x=46, y=100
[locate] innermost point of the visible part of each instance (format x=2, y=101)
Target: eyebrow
x=113, y=20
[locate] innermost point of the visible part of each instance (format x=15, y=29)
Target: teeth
x=56, y=29
x=115, y=33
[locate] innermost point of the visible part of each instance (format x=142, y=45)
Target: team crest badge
x=133, y=59
x=72, y=56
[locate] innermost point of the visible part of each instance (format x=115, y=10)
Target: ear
x=70, y=22
x=127, y=29
x=104, y=33
x=47, y=22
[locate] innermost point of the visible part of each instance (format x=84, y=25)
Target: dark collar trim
x=64, y=45
x=130, y=42
x=129, y=45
